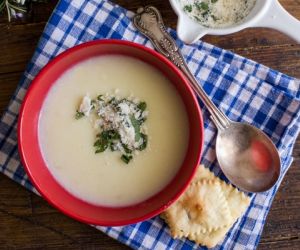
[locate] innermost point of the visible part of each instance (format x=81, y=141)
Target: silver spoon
x=247, y=156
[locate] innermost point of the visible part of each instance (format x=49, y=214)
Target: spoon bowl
x=248, y=158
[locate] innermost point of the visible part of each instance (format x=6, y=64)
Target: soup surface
x=67, y=143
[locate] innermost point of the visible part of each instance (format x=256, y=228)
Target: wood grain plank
x=8, y=84
x=17, y=43
x=28, y=222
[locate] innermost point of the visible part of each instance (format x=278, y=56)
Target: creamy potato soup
x=101, y=175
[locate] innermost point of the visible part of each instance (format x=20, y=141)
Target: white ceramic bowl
x=266, y=13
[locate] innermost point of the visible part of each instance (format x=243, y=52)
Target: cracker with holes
x=207, y=210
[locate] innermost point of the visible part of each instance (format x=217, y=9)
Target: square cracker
x=238, y=202
x=235, y=201
x=203, y=173
x=203, y=208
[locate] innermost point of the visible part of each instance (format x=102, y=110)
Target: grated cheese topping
x=121, y=123
x=86, y=105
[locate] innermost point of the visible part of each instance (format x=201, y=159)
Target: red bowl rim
x=66, y=53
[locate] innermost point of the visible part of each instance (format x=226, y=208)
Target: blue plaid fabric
x=244, y=90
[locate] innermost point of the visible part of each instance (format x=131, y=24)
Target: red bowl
x=36, y=167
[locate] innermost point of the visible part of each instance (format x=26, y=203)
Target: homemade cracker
x=203, y=173
x=238, y=203
x=203, y=208
x=191, y=216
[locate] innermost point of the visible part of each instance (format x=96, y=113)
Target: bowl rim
x=22, y=153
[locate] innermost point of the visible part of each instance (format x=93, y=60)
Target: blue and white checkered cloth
x=245, y=90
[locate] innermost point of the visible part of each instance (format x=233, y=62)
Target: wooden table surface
x=28, y=222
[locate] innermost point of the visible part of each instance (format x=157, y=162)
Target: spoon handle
x=148, y=20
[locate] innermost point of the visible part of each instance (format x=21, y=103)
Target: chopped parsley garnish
x=126, y=149
x=142, y=106
x=214, y=17
x=79, y=115
x=145, y=141
x=136, y=124
x=120, y=122
x=202, y=6
x=99, y=97
x=188, y=8
x=126, y=158
x=105, y=139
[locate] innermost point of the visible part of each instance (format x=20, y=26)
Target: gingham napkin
x=245, y=90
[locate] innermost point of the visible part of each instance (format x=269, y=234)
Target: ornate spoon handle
x=148, y=20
